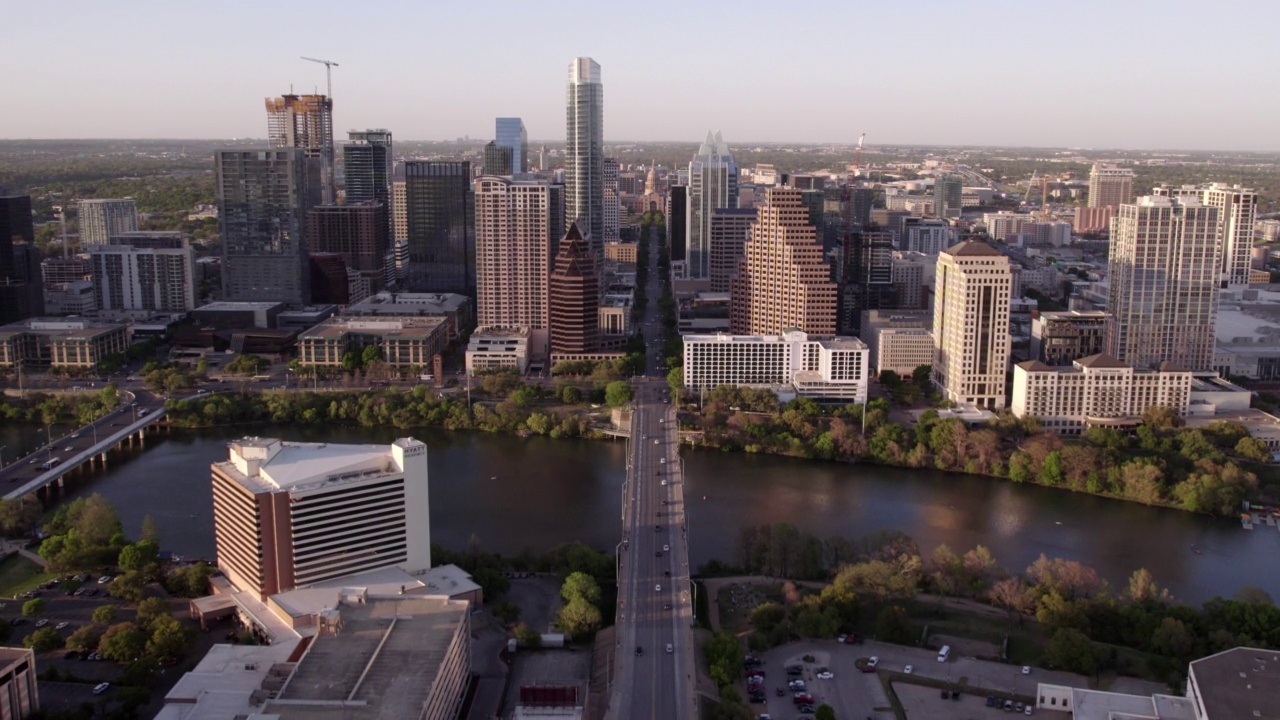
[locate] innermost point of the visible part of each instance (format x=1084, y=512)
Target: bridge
x=126, y=424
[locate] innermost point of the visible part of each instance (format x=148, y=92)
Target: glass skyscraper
x=713, y=184
x=440, y=205
x=584, y=151
x=367, y=163
x=510, y=133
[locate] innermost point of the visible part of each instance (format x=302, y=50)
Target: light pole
x=2, y=449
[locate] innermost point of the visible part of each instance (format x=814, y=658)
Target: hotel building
x=827, y=369
x=1097, y=390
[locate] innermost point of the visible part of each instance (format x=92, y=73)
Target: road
x=655, y=612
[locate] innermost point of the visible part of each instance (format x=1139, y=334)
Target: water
x=515, y=494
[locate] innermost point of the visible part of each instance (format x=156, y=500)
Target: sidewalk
x=8, y=546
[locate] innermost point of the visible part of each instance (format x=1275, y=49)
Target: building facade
x=1163, y=273
x=730, y=228
x=498, y=348
x=1237, y=212
x=864, y=276
x=1110, y=186
x=399, y=214
x=1061, y=338
x=440, y=207
x=677, y=222
x=926, y=236
x=367, y=166
x=58, y=270
x=713, y=184
x=357, y=232
x=897, y=341
x=971, y=324
x=574, y=290
x=19, y=694
x=497, y=160
x=1095, y=390
x=612, y=202
x=519, y=224
x=71, y=343
x=102, y=219
x=782, y=283
x=305, y=122
x=263, y=200
x=290, y=514
x=145, y=272
x=584, y=152
x=947, y=193
x=404, y=341
x=833, y=369
x=21, y=291
x=509, y=133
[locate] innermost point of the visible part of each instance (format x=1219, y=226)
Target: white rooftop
x=221, y=685
x=270, y=464
x=312, y=599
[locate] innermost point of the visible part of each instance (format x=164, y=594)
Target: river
x=513, y=494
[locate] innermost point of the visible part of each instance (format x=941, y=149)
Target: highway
x=655, y=660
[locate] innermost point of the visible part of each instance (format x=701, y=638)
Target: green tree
x=43, y=640
x=1253, y=449
x=506, y=611
x=618, y=393
x=675, y=381
x=578, y=618
x=150, y=531
x=351, y=361
x=1051, y=469
x=724, y=658
x=149, y=611
x=130, y=586
x=580, y=586
x=169, y=640
x=570, y=395
x=139, y=555
x=1071, y=650
x=104, y=614
x=33, y=608
x=824, y=712
x=85, y=637
x=123, y=642
x=893, y=625
x=527, y=637
x=371, y=353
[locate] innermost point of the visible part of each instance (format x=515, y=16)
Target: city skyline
x=186, y=81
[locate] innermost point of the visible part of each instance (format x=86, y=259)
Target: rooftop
x=1239, y=683
x=1101, y=360
x=62, y=328
x=409, y=326
x=388, y=303
x=271, y=465
x=972, y=248
x=229, y=306
x=223, y=684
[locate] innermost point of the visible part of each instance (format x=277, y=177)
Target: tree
x=1253, y=449
x=1161, y=418
x=86, y=637
x=123, y=642
x=1173, y=638
x=1011, y=594
x=527, y=637
x=169, y=639
x=104, y=614
x=580, y=586
x=138, y=556
x=33, y=608
x=675, y=381
x=1072, y=651
x=578, y=618
x=149, y=611
x=570, y=395
x=1051, y=469
x=824, y=712
x=1143, y=588
x=724, y=658
x=96, y=521
x=506, y=611
x=130, y=586
x=618, y=393
x=149, y=530
x=43, y=640
x=893, y=625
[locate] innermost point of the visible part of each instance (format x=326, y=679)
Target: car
x=664, y=482
x=806, y=710
x=68, y=449
x=946, y=695
x=657, y=442
x=104, y=579
x=101, y=688
x=666, y=606
x=75, y=435
x=956, y=696
x=657, y=528
x=782, y=692
x=908, y=669
x=1018, y=706
x=42, y=622
x=872, y=662
x=842, y=638
x=666, y=548
x=991, y=701
x=825, y=675
x=658, y=554
x=62, y=625
x=662, y=461
x=639, y=650
x=796, y=685
x=1026, y=710
x=1008, y=706
x=1026, y=669
x=670, y=648
x=657, y=588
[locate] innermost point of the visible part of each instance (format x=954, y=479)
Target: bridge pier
x=61, y=481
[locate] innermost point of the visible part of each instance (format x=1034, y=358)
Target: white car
x=664, y=482
x=670, y=649
x=657, y=588
x=61, y=625
x=42, y=622
x=1026, y=669
x=825, y=675
x=104, y=579
x=908, y=670
x=101, y=688
x=662, y=461
x=666, y=548
x=657, y=442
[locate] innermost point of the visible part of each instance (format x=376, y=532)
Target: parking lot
x=76, y=612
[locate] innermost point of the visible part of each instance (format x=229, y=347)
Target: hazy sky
x=1121, y=73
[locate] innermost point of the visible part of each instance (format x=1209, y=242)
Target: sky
x=1118, y=74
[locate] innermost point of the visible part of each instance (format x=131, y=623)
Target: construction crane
x=846, y=196
x=329, y=65
x=857, y=154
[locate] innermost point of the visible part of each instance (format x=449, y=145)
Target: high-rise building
x=287, y=514
x=584, y=152
x=823, y=368
x=368, y=165
x=357, y=232
x=574, y=291
x=543, y=164
x=926, y=236
x=102, y=219
x=1163, y=275
x=713, y=183
x=858, y=211
x=1237, y=212
x=329, y=282
x=399, y=214
x=864, y=276
x=305, y=122
x=730, y=228
x=21, y=291
x=1061, y=338
x=518, y=226
x=947, y=191
x=509, y=133
x=439, y=203
x=612, y=201
x=677, y=222
x=145, y=271
x=971, y=324
x=497, y=160
x=263, y=199
x=782, y=283
x=1110, y=186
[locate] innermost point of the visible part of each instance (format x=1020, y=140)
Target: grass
x=18, y=575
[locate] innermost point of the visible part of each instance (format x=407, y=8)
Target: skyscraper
x=1110, y=186
x=730, y=228
x=1163, y=276
x=947, y=191
x=574, y=295
x=440, y=207
x=509, y=133
x=518, y=226
x=497, y=160
x=1237, y=210
x=263, y=199
x=584, y=152
x=305, y=122
x=368, y=163
x=102, y=219
x=399, y=215
x=612, y=202
x=21, y=292
x=678, y=222
x=357, y=232
x=145, y=271
x=782, y=282
x=864, y=276
x=971, y=324
x=713, y=183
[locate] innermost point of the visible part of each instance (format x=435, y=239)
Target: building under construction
x=305, y=122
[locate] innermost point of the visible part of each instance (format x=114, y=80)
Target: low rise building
x=498, y=348
x=404, y=341
x=61, y=342
x=1096, y=390
x=457, y=310
x=227, y=315
x=833, y=369
x=621, y=252
x=70, y=298
x=19, y=695
x=898, y=341
x=1061, y=338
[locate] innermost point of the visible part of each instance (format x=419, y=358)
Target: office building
x=399, y=214
x=677, y=223
x=584, y=152
x=857, y=210
x=1000, y=225
x=832, y=369
x=926, y=236
x=864, y=276
x=1061, y=338
x=457, y=311
x=730, y=228
x=290, y=514
x=913, y=275
x=330, y=284
x=519, y=224
x=19, y=694
x=145, y=272
x=305, y=122
x=263, y=200
x=102, y=219
x=356, y=232
x=713, y=184
x=947, y=192
x=612, y=203
x=897, y=340
x=70, y=343
x=405, y=341
x=440, y=205
x=69, y=298
x=971, y=324
x=1237, y=213
x=1096, y=390
x=509, y=133
x=574, y=290
x=1163, y=274
x=497, y=160
x=368, y=165
x=21, y=291
x=1110, y=186
x=782, y=283
x=498, y=348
